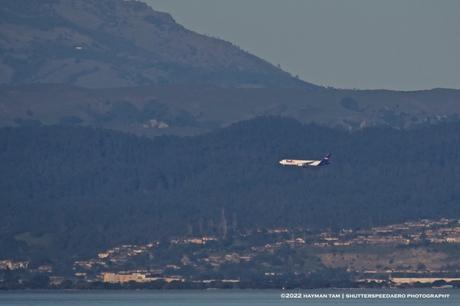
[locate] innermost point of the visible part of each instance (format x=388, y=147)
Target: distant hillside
x=188, y=110
x=122, y=65
x=74, y=190
x=115, y=43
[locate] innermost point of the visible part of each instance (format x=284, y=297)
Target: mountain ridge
x=122, y=65
x=190, y=109
x=119, y=43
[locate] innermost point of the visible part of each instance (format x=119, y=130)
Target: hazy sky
x=393, y=44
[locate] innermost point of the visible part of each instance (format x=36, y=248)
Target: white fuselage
x=300, y=162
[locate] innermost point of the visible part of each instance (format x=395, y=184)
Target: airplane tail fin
x=325, y=160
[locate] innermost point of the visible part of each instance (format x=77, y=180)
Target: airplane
x=306, y=163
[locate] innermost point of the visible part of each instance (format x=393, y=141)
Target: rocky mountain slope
x=115, y=43
x=122, y=65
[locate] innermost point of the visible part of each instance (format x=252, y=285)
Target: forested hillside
x=75, y=190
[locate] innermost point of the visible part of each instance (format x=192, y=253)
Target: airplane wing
x=306, y=163
x=313, y=163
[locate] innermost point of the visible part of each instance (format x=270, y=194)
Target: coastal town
x=415, y=253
